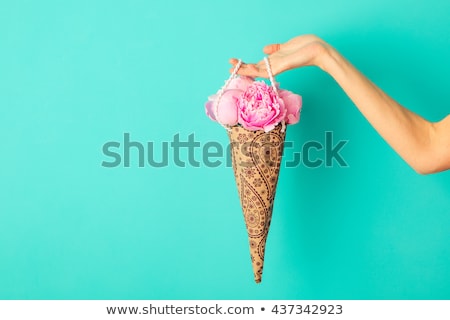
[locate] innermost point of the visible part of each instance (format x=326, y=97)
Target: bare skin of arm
x=424, y=145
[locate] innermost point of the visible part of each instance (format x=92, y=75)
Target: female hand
x=304, y=50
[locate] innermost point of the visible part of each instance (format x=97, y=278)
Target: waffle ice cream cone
x=256, y=158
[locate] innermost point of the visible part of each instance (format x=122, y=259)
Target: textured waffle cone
x=256, y=158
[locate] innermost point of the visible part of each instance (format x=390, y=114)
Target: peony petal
x=240, y=83
x=269, y=127
x=293, y=103
x=209, y=110
x=227, y=109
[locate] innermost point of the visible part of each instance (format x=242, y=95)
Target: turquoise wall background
x=77, y=74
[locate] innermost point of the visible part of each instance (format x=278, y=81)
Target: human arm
x=424, y=145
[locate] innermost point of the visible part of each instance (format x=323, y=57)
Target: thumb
x=271, y=48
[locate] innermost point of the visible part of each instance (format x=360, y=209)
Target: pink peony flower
x=227, y=110
x=259, y=108
x=293, y=105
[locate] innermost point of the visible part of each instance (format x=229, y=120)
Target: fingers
x=233, y=61
x=249, y=69
x=271, y=48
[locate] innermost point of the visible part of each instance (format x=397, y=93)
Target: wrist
x=326, y=57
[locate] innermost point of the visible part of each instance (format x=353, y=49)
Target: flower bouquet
x=255, y=115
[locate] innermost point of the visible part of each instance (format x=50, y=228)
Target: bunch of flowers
x=254, y=105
